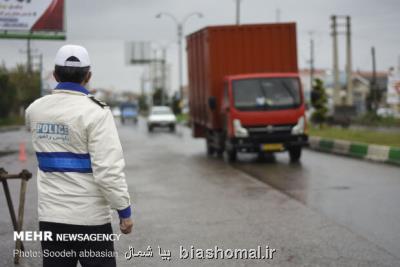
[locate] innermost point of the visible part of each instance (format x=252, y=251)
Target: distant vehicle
x=116, y=111
x=161, y=116
x=245, y=91
x=129, y=111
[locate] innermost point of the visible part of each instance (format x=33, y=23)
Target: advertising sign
x=32, y=15
x=138, y=52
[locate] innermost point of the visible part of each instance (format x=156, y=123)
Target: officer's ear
x=87, y=78
x=56, y=77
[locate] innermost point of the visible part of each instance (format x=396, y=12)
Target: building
x=362, y=81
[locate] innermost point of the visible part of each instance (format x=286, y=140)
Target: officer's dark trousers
x=67, y=254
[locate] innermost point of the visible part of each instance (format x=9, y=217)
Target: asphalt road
x=360, y=195
x=326, y=211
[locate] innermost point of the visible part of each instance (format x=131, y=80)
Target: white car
x=161, y=116
x=116, y=111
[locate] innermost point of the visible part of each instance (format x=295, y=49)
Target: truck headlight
x=238, y=129
x=299, y=128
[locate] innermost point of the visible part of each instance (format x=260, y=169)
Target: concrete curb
x=376, y=153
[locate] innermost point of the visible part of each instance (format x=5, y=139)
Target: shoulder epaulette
x=98, y=102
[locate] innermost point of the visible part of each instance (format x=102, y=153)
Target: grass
x=369, y=137
x=12, y=121
x=182, y=117
x=371, y=119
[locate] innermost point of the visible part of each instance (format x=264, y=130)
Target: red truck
x=245, y=93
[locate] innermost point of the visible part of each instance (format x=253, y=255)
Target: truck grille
x=270, y=130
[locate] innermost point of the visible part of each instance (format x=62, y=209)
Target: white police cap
x=72, y=56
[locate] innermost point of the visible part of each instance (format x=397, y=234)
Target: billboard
x=138, y=52
x=32, y=15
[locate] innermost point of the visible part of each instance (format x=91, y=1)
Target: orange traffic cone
x=22, y=152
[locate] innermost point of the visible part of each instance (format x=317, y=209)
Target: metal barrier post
x=17, y=224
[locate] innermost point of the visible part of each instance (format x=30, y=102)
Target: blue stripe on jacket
x=64, y=162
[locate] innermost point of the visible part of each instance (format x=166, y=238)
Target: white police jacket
x=80, y=158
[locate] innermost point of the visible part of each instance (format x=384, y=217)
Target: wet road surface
x=315, y=213
x=360, y=195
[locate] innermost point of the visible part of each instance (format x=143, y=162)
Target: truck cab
x=262, y=113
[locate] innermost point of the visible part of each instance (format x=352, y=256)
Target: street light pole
x=28, y=56
x=238, y=12
x=180, y=65
x=41, y=74
x=180, y=25
x=311, y=60
x=164, y=75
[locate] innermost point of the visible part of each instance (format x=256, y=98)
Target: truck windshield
x=266, y=93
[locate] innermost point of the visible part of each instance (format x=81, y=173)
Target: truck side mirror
x=212, y=103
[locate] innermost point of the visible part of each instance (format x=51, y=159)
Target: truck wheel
x=261, y=156
x=210, y=149
x=150, y=128
x=172, y=128
x=295, y=154
x=230, y=155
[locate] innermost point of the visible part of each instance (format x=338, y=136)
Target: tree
x=319, y=102
x=27, y=85
x=18, y=88
x=7, y=93
x=176, y=104
x=157, y=98
x=143, y=103
x=373, y=99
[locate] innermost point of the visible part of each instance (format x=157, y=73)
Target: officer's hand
x=126, y=225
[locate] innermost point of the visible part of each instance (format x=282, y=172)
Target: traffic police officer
x=80, y=173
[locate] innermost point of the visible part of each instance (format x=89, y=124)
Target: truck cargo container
x=245, y=93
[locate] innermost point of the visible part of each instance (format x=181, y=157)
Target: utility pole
x=164, y=75
x=41, y=74
x=349, y=81
x=142, y=84
x=145, y=81
x=238, y=12
x=349, y=71
x=180, y=55
x=150, y=80
x=398, y=64
x=311, y=60
x=28, y=55
x=155, y=73
x=335, y=68
x=373, y=82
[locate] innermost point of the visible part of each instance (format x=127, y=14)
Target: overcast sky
x=104, y=26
